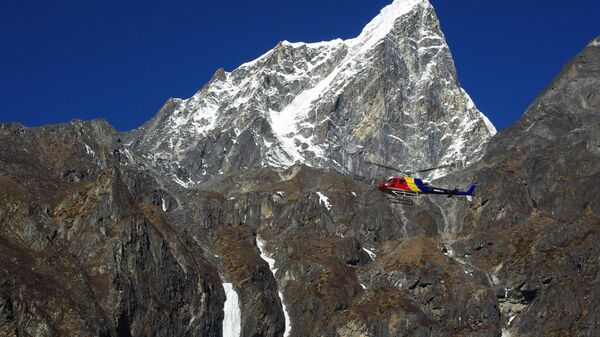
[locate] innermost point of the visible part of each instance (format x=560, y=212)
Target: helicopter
x=401, y=190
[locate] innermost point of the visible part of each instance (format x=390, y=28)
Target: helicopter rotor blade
x=408, y=172
x=386, y=167
x=434, y=168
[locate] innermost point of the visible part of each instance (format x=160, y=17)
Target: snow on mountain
x=389, y=95
x=232, y=314
x=271, y=262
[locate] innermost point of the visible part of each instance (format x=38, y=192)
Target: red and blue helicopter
x=402, y=189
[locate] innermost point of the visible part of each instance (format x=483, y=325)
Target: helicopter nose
x=381, y=186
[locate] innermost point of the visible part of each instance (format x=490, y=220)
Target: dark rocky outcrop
x=535, y=226
x=81, y=254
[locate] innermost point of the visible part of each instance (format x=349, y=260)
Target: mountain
x=96, y=239
x=83, y=255
x=535, y=227
x=390, y=95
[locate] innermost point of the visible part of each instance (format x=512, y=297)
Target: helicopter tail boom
x=451, y=193
x=470, y=190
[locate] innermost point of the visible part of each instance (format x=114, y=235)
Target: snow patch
x=163, y=205
x=324, y=200
x=399, y=140
x=491, y=128
x=232, y=320
x=371, y=254
x=471, y=106
x=261, y=247
x=89, y=150
x=383, y=23
x=129, y=155
x=255, y=61
x=183, y=183
x=263, y=255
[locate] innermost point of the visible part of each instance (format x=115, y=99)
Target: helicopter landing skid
x=401, y=197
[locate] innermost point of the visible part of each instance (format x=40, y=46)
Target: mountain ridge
x=327, y=104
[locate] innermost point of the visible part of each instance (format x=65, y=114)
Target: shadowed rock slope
x=535, y=227
x=83, y=249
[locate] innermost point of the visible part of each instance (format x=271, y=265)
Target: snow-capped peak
x=388, y=95
x=383, y=23
x=285, y=122
x=373, y=32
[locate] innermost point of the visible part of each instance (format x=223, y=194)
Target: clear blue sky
x=120, y=60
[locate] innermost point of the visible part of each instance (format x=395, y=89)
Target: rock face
x=390, y=95
x=104, y=234
x=535, y=226
x=84, y=251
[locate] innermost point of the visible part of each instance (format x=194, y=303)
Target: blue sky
x=120, y=60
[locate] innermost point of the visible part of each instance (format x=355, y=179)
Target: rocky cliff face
x=85, y=250
x=97, y=239
x=380, y=96
x=534, y=228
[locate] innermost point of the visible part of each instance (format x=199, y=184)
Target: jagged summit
x=383, y=23
x=373, y=32
x=390, y=95
x=376, y=29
